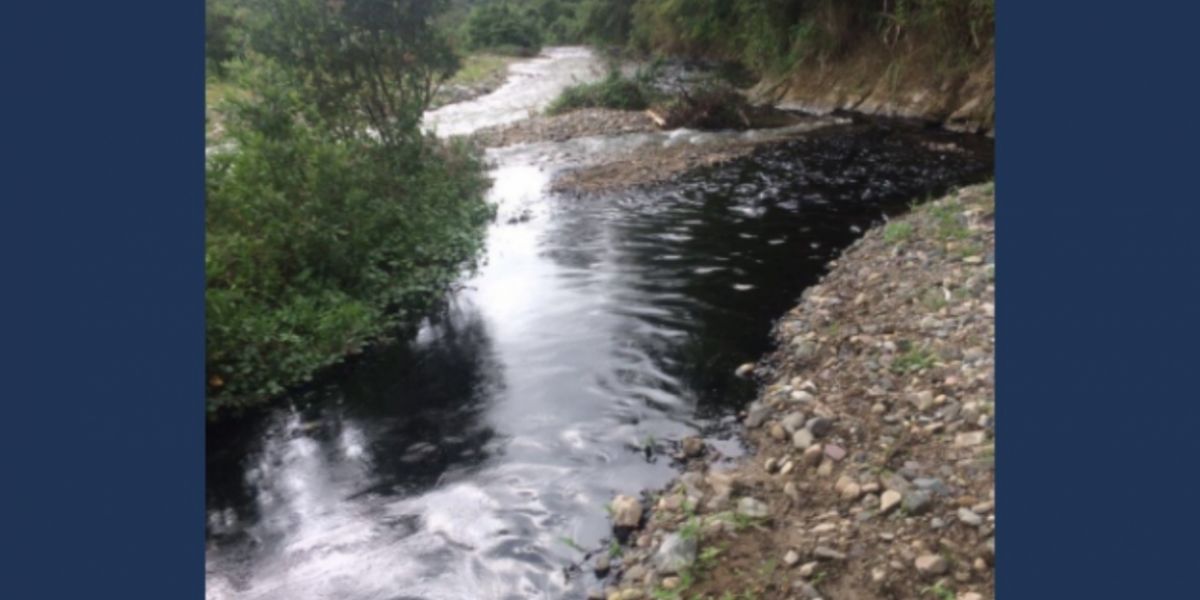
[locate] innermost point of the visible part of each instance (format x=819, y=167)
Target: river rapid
x=475, y=460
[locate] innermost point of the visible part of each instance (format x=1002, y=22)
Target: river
x=475, y=460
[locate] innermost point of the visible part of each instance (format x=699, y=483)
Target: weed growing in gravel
x=940, y=591
x=912, y=361
x=897, y=231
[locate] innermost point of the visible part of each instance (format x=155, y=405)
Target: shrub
x=317, y=245
x=614, y=91
x=331, y=218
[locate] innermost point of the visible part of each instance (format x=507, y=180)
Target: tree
x=367, y=67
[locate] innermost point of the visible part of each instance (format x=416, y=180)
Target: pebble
x=969, y=517
x=820, y=426
x=670, y=583
x=807, y=569
x=812, y=455
x=745, y=370
x=626, y=512
x=970, y=596
x=676, y=553
x=778, y=432
x=916, y=502
x=791, y=558
x=753, y=508
x=968, y=439
x=793, y=422
x=602, y=565
x=801, y=397
x=931, y=564
x=693, y=446
x=835, y=452
x=889, y=500
x=828, y=553
x=757, y=414
x=802, y=439
x=635, y=573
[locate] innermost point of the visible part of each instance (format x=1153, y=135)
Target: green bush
x=317, y=245
x=614, y=91
x=331, y=219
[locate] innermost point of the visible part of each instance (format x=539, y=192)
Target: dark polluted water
x=475, y=460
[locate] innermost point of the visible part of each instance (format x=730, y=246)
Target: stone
x=916, y=502
x=820, y=426
x=636, y=573
x=970, y=596
x=889, y=500
x=693, y=446
x=823, y=528
x=802, y=439
x=931, y=564
x=826, y=553
x=626, y=512
x=826, y=468
x=922, y=401
x=757, y=414
x=602, y=565
x=787, y=468
x=807, y=569
x=812, y=455
x=793, y=422
x=670, y=583
x=835, y=452
x=852, y=491
x=676, y=553
x=753, y=508
x=802, y=349
x=800, y=397
x=745, y=370
x=789, y=490
x=791, y=558
x=770, y=465
x=930, y=484
x=969, y=517
x=778, y=432
x=970, y=438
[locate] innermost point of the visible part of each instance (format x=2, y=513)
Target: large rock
x=626, y=512
x=676, y=553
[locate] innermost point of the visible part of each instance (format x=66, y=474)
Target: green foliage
x=365, y=67
x=614, y=91
x=912, y=361
x=775, y=35
x=330, y=219
x=499, y=25
x=897, y=231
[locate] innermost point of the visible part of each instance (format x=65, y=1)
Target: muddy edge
x=872, y=470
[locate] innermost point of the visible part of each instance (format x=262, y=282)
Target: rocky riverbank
x=640, y=163
x=872, y=473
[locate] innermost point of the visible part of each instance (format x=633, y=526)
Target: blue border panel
x=101, y=238
x=1097, y=298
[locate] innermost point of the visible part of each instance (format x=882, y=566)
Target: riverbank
x=872, y=472
x=872, y=82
